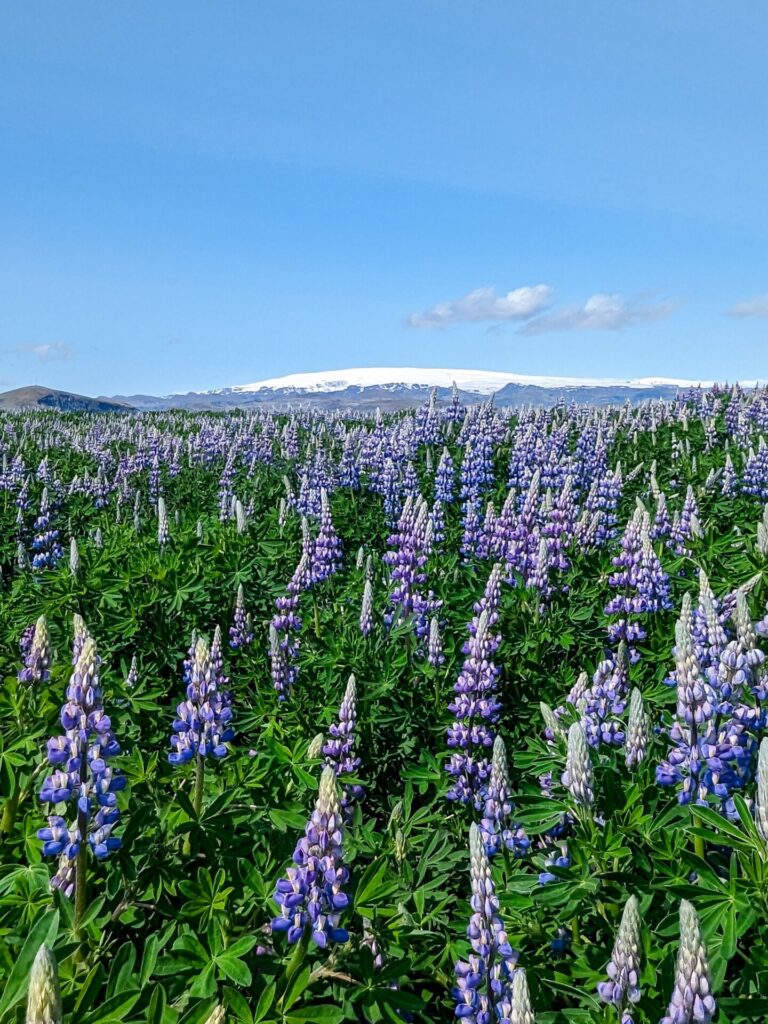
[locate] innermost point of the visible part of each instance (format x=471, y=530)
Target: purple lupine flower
x=326, y=552
x=203, y=723
x=25, y=640
x=409, y=549
x=82, y=774
x=497, y=808
x=623, y=987
x=37, y=657
x=685, y=525
x=240, y=632
x=340, y=745
x=311, y=896
x=80, y=635
x=366, y=609
x=692, y=1000
x=45, y=543
x=484, y=981
x=761, y=797
x=476, y=707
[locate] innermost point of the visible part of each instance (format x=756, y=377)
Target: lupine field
x=323, y=717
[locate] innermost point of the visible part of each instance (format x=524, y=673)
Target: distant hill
x=59, y=401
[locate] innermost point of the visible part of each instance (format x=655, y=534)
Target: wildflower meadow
x=452, y=714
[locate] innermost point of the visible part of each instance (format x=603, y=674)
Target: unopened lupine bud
x=399, y=846
x=199, y=530
x=552, y=728
x=435, y=654
x=133, y=674
x=517, y=1008
x=366, y=609
x=241, y=520
x=396, y=815
x=577, y=777
x=623, y=969
x=74, y=557
x=761, y=801
x=762, y=540
x=638, y=730
x=22, y=559
x=163, y=532
x=44, y=998
x=360, y=557
x=217, y=1015
x=315, y=748
x=692, y=1001
x=369, y=567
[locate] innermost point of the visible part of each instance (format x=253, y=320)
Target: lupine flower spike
x=761, y=802
x=692, y=1001
x=577, y=777
x=623, y=987
x=517, y=1009
x=44, y=997
x=638, y=730
x=37, y=658
x=311, y=896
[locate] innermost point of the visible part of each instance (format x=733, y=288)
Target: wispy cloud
x=484, y=305
x=601, y=312
x=751, y=307
x=49, y=352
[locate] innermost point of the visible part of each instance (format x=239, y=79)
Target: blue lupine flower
x=692, y=1000
x=37, y=655
x=203, y=726
x=82, y=773
x=623, y=987
x=240, y=632
x=311, y=896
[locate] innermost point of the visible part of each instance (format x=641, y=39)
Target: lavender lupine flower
x=475, y=705
x=240, y=632
x=80, y=635
x=761, y=799
x=44, y=996
x=638, y=730
x=340, y=745
x=22, y=559
x=326, y=553
x=311, y=896
x=203, y=723
x=577, y=777
x=517, y=1009
x=82, y=774
x=366, y=609
x=623, y=986
x=494, y=825
x=163, y=532
x=484, y=982
x=37, y=658
x=45, y=542
x=241, y=519
x=435, y=654
x=692, y=1001
x=133, y=674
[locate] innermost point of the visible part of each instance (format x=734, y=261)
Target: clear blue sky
x=196, y=194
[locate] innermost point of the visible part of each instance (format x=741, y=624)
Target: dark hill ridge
x=36, y=397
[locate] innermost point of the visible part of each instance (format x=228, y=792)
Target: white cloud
x=49, y=352
x=601, y=312
x=483, y=304
x=751, y=307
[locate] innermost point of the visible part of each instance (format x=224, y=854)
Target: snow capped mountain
x=478, y=382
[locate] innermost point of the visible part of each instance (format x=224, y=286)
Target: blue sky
x=194, y=195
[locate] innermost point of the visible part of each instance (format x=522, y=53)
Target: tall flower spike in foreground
x=517, y=1009
x=82, y=774
x=692, y=1002
x=37, y=659
x=310, y=896
x=44, y=997
x=494, y=825
x=761, y=802
x=577, y=777
x=163, y=532
x=483, y=983
x=339, y=748
x=623, y=986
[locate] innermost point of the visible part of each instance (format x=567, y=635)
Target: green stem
x=317, y=619
x=698, y=841
x=197, y=800
x=81, y=871
x=9, y=812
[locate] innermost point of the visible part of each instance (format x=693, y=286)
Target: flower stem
x=81, y=871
